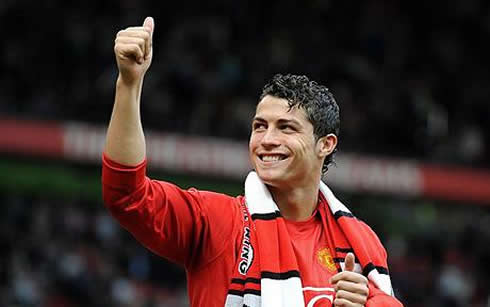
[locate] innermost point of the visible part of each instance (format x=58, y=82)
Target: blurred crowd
x=71, y=253
x=438, y=253
x=410, y=76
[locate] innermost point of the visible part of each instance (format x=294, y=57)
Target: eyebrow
x=279, y=121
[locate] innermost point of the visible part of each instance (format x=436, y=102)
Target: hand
x=134, y=51
x=351, y=289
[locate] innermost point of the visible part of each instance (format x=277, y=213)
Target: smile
x=272, y=158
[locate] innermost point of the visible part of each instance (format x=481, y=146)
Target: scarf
x=267, y=272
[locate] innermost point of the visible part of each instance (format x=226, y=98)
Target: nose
x=270, y=138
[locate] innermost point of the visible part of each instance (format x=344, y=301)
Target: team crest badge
x=325, y=259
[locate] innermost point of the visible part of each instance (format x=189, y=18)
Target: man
x=287, y=242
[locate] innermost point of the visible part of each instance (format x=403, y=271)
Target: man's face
x=282, y=145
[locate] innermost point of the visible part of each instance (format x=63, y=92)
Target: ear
x=326, y=145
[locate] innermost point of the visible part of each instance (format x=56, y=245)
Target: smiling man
x=285, y=151
x=288, y=241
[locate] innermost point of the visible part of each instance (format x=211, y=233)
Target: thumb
x=149, y=23
x=350, y=262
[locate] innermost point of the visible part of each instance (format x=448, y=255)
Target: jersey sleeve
x=189, y=227
x=378, y=298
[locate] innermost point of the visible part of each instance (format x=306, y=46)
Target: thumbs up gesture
x=133, y=49
x=351, y=288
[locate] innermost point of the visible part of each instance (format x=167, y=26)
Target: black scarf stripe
x=280, y=276
x=342, y=260
x=244, y=281
x=370, y=266
x=344, y=250
x=382, y=270
x=246, y=291
x=266, y=216
x=340, y=214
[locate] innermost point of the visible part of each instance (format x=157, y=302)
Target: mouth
x=272, y=158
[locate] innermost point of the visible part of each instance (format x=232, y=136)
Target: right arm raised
x=185, y=226
x=125, y=141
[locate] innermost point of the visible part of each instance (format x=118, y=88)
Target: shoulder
x=372, y=236
x=217, y=198
x=216, y=202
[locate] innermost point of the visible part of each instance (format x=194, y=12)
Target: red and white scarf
x=267, y=272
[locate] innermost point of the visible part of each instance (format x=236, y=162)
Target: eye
x=259, y=126
x=288, y=128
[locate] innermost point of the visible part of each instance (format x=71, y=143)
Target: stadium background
x=411, y=79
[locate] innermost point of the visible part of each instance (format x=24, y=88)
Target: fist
x=351, y=289
x=134, y=51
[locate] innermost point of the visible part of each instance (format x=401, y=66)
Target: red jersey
x=203, y=231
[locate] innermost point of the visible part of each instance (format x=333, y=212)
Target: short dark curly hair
x=318, y=102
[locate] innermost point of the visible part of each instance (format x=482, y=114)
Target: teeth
x=271, y=158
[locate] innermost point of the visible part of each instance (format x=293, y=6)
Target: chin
x=271, y=177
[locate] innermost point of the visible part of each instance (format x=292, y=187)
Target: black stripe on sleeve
x=266, y=216
x=279, y=276
x=244, y=281
x=340, y=214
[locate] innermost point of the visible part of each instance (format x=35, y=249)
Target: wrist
x=130, y=83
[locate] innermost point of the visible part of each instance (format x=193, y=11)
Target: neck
x=296, y=204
